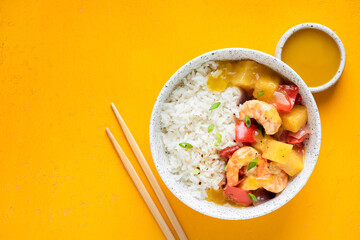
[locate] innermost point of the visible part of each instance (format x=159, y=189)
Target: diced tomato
x=298, y=99
x=238, y=195
x=284, y=97
x=281, y=102
x=291, y=91
x=228, y=152
x=244, y=133
x=292, y=140
x=299, y=136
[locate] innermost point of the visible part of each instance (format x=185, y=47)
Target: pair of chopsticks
x=150, y=176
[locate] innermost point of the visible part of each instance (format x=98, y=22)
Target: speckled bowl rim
x=227, y=212
x=291, y=31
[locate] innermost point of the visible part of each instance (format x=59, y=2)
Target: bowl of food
x=235, y=133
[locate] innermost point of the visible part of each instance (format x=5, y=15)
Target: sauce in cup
x=313, y=54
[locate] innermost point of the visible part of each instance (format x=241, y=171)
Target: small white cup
x=291, y=31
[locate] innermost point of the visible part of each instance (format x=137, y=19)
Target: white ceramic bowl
x=328, y=31
x=227, y=212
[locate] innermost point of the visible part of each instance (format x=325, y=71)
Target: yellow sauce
x=219, y=197
x=313, y=54
x=242, y=74
x=219, y=80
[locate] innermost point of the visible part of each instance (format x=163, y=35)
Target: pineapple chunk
x=277, y=151
x=253, y=183
x=264, y=181
x=260, y=143
x=249, y=183
x=294, y=163
x=267, y=84
x=296, y=119
x=245, y=74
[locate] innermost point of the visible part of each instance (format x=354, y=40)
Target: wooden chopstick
x=140, y=186
x=150, y=176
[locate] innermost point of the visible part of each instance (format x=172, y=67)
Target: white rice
x=186, y=117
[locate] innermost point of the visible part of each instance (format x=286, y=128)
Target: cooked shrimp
x=267, y=175
x=261, y=167
x=279, y=179
x=260, y=170
x=263, y=113
x=256, y=177
x=241, y=157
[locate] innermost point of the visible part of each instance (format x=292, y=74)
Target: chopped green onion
x=185, y=145
x=260, y=94
x=211, y=128
x=218, y=136
x=252, y=163
x=218, y=140
x=252, y=196
x=247, y=121
x=262, y=130
x=196, y=171
x=214, y=106
x=225, y=167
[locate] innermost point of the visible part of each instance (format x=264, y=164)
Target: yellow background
x=63, y=62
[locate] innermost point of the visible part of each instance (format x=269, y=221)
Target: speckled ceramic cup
x=180, y=190
x=328, y=31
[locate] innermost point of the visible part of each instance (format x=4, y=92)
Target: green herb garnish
x=225, y=167
x=196, y=171
x=185, y=145
x=252, y=163
x=211, y=128
x=218, y=140
x=260, y=94
x=214, y=106
x=218, y=135
x=247, y=121
x=252, y=196
x=262, y=130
